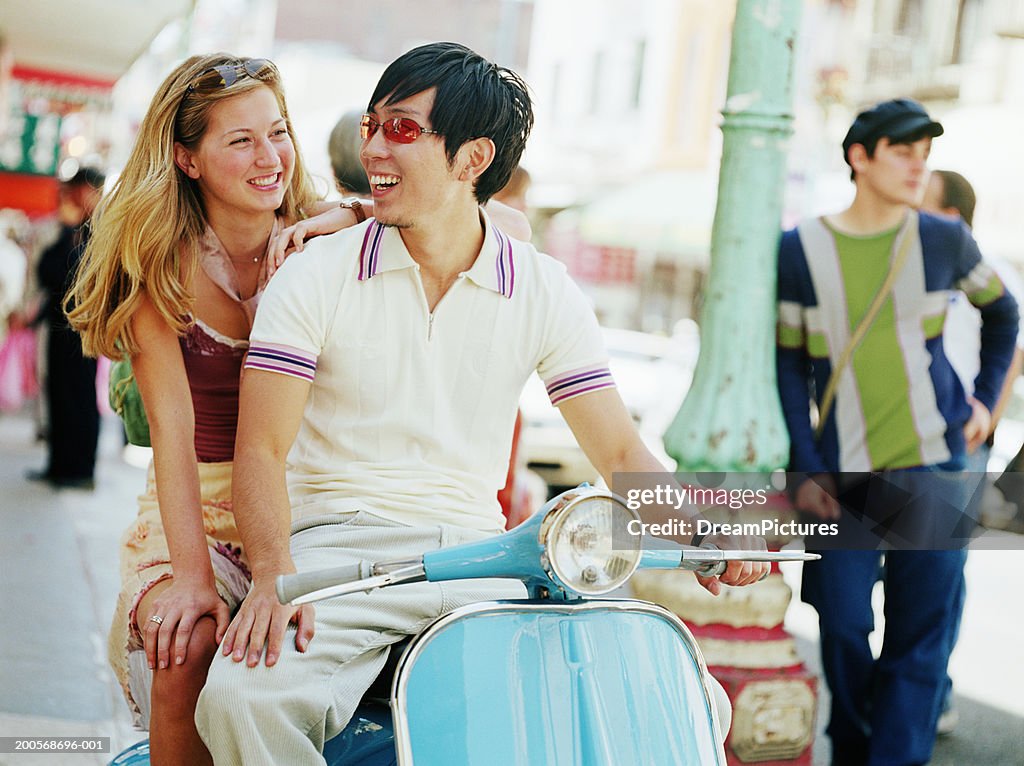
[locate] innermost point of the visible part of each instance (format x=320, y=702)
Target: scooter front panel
x=599, y=683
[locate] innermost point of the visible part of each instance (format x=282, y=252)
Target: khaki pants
x=284, y=714
x=145, y=561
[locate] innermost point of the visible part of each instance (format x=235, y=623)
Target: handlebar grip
x=290, y=587
x=715, y=568
x=712, y=568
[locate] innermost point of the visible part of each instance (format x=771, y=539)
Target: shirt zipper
x=430, y=314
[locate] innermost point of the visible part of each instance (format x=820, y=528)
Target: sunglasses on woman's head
x=226, y=75
x=400, y=130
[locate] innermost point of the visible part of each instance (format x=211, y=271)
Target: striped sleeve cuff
x=790, y=328
x=790, y=337
x=283, y=359
x=583, y=380
x=982, y=285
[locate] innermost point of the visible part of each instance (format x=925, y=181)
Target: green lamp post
x=731, y=423
x=731, y=419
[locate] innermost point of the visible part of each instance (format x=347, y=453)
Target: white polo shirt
x=411, y=414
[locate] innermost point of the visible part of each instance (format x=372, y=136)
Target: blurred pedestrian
x=17, y=342
x=949, y=193
x=343, y=149
x=514, y=192
x=515, y=500
x=13, y=269
x=171, y=278
x=74, y=418
x=862, y=294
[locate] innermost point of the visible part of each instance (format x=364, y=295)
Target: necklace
x=243, y=260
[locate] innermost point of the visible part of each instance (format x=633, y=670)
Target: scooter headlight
x=587, y=547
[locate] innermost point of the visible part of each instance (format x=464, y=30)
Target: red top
x=213, y=362
x=213, y=365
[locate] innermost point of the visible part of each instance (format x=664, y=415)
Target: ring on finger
x=157, y=619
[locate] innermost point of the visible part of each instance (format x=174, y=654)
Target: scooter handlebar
x=291, y=587
x=711, y=561
x=306, y=587
x=711, y=568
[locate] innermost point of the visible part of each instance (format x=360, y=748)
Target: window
x=556, y=89
x=909, y=21
x=639, y=53
x=597, y=83
x=968, y=15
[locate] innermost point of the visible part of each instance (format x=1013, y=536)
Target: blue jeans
x=978, y=479
x=884, y=711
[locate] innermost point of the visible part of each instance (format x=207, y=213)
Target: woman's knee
x=181, y=683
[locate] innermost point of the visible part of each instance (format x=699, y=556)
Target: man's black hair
x=474, y=99
x=958, y=193
x=871, y=143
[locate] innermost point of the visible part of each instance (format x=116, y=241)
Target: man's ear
x=183, y=159
x=475, y=156
x=857, y=156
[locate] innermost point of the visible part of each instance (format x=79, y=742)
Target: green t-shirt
x=877, y=364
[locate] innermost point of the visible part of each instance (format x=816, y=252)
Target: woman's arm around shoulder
x=327, y=217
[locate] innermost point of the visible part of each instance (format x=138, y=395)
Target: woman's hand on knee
x=173, y=617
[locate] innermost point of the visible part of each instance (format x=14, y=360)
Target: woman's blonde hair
x=146, y=231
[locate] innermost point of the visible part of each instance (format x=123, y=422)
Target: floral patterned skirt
x=145, y=561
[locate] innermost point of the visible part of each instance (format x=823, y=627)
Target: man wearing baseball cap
x=901, y=121
x=862, y=300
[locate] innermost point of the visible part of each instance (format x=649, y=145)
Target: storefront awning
x=90, y=43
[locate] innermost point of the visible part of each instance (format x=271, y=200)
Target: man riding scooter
x=385, y=366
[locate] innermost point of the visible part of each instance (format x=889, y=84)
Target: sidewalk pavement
x=987, y=666
x=59, y=569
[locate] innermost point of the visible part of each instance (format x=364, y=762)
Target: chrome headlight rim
x=553, y=525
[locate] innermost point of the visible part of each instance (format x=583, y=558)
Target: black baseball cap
x=896, y=120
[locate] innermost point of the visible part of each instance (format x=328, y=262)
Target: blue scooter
x=561, y=677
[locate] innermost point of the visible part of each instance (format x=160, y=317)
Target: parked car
x=652, y=373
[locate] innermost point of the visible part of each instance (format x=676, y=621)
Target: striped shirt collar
x=494, y=268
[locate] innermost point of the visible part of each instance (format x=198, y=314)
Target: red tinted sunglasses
x=400, y=130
